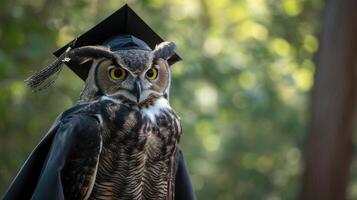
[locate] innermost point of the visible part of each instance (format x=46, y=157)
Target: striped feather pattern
x=138, y=157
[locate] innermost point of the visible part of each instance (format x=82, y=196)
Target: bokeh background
x=242, y=89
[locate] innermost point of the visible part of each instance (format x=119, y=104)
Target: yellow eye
x=117, y=73
x=152, y=73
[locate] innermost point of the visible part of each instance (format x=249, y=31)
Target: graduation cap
x=122, y=30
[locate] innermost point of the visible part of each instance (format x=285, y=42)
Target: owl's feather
x=164, y=50
x=138, y=154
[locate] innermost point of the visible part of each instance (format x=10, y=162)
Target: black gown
x=40, y=176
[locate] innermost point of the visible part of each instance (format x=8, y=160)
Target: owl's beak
x=137, y=90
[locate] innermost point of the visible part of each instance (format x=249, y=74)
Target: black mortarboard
x=124, y=29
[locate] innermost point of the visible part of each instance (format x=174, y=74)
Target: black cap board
x=124, y=29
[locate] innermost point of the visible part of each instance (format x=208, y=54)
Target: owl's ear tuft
x=86, y=53
x=164, y=50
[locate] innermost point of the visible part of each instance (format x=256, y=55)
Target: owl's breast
x=138, y=153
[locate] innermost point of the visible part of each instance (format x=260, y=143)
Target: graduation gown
x=40, y=176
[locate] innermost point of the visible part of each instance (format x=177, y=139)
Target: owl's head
x=133, y=76
x=123, y=68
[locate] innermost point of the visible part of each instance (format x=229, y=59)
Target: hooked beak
x=137, y=90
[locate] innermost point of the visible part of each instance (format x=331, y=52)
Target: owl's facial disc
x=134, y=83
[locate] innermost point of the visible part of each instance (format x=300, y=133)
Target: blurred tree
x=329, y=143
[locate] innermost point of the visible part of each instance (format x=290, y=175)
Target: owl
x=121, y=139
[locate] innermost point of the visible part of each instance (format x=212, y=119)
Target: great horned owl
x=135, y=130
x=121, y=141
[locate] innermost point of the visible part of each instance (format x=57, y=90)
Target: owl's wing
x=52, y=169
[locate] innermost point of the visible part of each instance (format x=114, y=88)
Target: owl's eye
x=117, y=73
x=152, y=73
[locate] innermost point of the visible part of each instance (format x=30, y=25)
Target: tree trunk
x=329, y=139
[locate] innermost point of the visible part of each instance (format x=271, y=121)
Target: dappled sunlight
x=250, y=29
x=241, y=89
x=207, y=98
x=280, y=46
x=292, y=7
x=310, y=43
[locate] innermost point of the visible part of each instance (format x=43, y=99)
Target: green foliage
x=241, y=90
